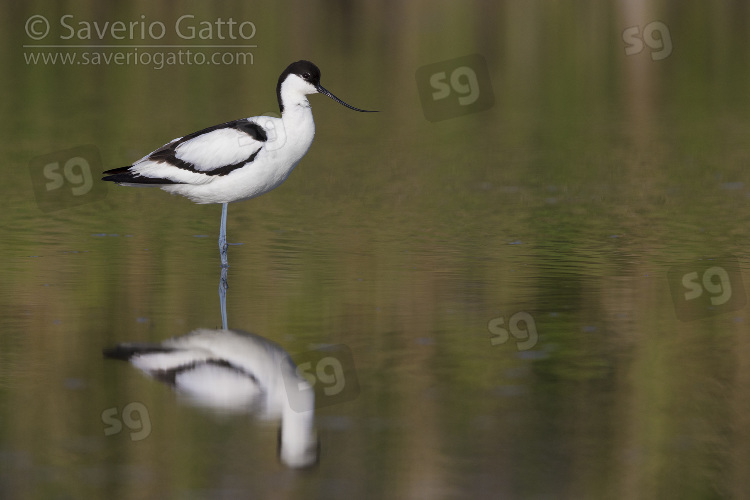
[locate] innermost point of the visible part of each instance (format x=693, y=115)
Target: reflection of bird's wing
x=219, y=385
x=217, y=368
x=197, y=158
x=197, y=366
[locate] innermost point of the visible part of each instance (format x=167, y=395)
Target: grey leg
x=223, y=237
x=223, y=285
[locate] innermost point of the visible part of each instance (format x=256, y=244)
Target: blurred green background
x=592, y=175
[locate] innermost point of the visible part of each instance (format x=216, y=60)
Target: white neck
x=293, y=93
x=299, y=127
x=299, y=441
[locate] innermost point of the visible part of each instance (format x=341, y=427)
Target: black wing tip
x=123, y=178
x=120, y=174
x=118, y=170
x=124, y=175
x=125, y=352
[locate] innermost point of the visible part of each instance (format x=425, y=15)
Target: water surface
x=414, y=244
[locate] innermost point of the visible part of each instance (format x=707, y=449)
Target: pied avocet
x=236, y=160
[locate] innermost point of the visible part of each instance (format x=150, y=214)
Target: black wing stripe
x=170, y=376
x=252, y=129
x=168, y=155
x=243, y=125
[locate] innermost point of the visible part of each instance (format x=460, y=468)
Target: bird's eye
x=306, y=76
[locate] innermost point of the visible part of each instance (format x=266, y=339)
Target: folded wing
x=196, y=158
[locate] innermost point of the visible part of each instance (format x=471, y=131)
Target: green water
x=501, y=277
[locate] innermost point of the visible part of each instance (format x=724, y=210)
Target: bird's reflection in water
x=235, y=371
